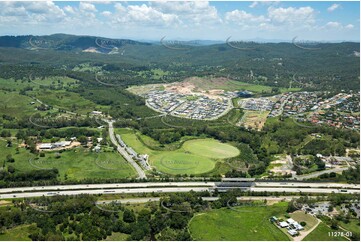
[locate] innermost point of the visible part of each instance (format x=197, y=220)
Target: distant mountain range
x=329, y=64
x=107, y=45
x=67, y=42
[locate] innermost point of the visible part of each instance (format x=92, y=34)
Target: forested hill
x=323, y=65
x=65, y=42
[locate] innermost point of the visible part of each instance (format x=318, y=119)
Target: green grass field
x=353, y=225
x=117, y=237
x=206, y=83
x=54, y=81
x=246, y=224
x=14, y=104
x=211, y=148
x=69, y=101
x=19, y=105
x=321, y=233
x=301, y=216
x=195, y=156
x=75, y=164
x=19, y=233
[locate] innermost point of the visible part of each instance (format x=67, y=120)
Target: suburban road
x=211, y=199
x=123, y=152
x=318, y=173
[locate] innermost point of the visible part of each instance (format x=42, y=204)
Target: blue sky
x=214, y=20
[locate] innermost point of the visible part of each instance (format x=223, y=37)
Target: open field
x=117, y=237
x=321, y=233
x=67, y=100
x=301, y=216
x=193, y=157
x=14, y=85
x=16, y=105
x=19, y=233
x=75, y=164
x=243, y=223
x=353, y=225
x=182, y=163
x=207, y=83
x=54, y=81
x=254, y=119
x=19, y=105
x=211, y=148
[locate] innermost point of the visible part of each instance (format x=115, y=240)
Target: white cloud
x=31, y=12
x=338, y=26
x=143, y=15
x=106, y=13
x=303, y=16
x=253, y=4
x=333, y=7
x=276, y=18
x=243, y=18
x=199, y=19
x=334, y=25
x=69, y=9
x=190, y=13
x=263, y=3
x=84, y=6
x=119, y=7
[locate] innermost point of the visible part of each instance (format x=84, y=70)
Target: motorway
x=124, y=153
x=173, y=184
x=102, y=191
x=139, y=188
x=165, y=190
x=107, y=186
x=306, y=185
x=303, y=190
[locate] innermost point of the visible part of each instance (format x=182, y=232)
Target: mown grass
x=244, y=223
x=301, y=216
x=353, y=225
x=194, y=156
x=75, y=164
x=19, y=233
x=321, y=233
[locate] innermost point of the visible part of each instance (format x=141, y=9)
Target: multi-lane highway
x=107, y=186
x=303, y=190
x=102, y=191
x=169, y=187
x=306, y=185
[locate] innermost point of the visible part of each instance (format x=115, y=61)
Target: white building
x=292, y=232
x=283, y=224
x=45, y=146
x=96, y=113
